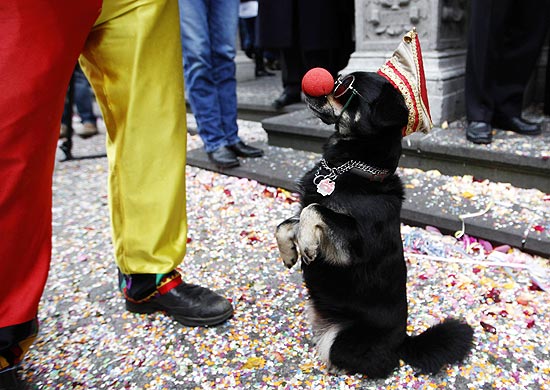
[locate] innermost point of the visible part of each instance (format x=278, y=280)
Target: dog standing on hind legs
x=347, y=233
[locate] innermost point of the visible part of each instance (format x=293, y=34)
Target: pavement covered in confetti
x=88, y=341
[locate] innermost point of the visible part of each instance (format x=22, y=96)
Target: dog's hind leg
x=357, y=352
x=324, y=332
x=286, y=241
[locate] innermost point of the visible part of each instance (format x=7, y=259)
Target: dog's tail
x=445, y=343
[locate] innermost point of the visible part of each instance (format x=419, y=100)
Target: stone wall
x=442, y=28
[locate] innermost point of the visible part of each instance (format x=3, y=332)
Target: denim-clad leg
x=83, y=97
x=209, y=32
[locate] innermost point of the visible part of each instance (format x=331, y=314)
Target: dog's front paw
x=310, y=233
x=286, y=236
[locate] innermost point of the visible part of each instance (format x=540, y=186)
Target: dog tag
x=326, y=187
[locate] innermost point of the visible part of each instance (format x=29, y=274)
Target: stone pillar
x=442, y=29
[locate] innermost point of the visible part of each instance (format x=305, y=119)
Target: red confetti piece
x=530, y=324
x=422, y=277
x=503, y=313
x=252, y=239
x=268, y=193
x=227, y=192
x=251, y=236
x=534, y=287
x=493, y=294
x=538, y=228
x=189, y=239
x=488, y=327
x=476, y=270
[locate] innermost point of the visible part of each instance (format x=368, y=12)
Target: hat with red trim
x=405, y=70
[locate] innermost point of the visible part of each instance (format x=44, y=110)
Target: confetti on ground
x=88, y=341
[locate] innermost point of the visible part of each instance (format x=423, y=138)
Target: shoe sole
x=223, y=166
x=251, y=155
x=139, y=308
x=86, y=135
x=226, y=165
x=504, y=128
x=528, y=133
x=479, y=141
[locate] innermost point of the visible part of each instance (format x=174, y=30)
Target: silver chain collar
x=326, y=183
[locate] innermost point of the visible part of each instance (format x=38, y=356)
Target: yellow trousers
x=132, y=58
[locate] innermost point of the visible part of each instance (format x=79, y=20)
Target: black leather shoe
x=224, y=157
x=262, y=73
x=189, y=304
x=243, y=150
x=518, y=125
x=479, y=133
x=286, y=98
x=9, y=380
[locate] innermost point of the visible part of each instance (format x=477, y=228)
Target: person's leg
x=486, y=27
x=292, y=70
x=247, y=44
x=84, y=104
x=259, y=64
x=547, y=88
x=202, y=92
x=40, y=45
x=522, y=41
x=133, y=61
x=83, y=97
x=67, y=117
x=222, y=24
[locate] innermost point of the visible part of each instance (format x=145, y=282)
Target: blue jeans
x=82, y=98
x=208, y=36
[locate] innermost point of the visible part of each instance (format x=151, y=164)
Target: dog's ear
x=389, y=109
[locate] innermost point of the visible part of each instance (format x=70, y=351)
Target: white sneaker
x=87, y=130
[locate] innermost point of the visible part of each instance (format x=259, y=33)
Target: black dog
x=348, y=238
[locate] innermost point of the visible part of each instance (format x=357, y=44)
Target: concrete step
x=517, y=217
x=255, y=97
x=520, y=160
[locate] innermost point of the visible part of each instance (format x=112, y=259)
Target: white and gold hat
x=405, y=70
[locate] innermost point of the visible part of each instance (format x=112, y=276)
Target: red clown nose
x=317, y=82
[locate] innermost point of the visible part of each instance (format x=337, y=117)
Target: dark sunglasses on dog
x=343, y=85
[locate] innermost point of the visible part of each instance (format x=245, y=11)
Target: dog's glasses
x=343, y=85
